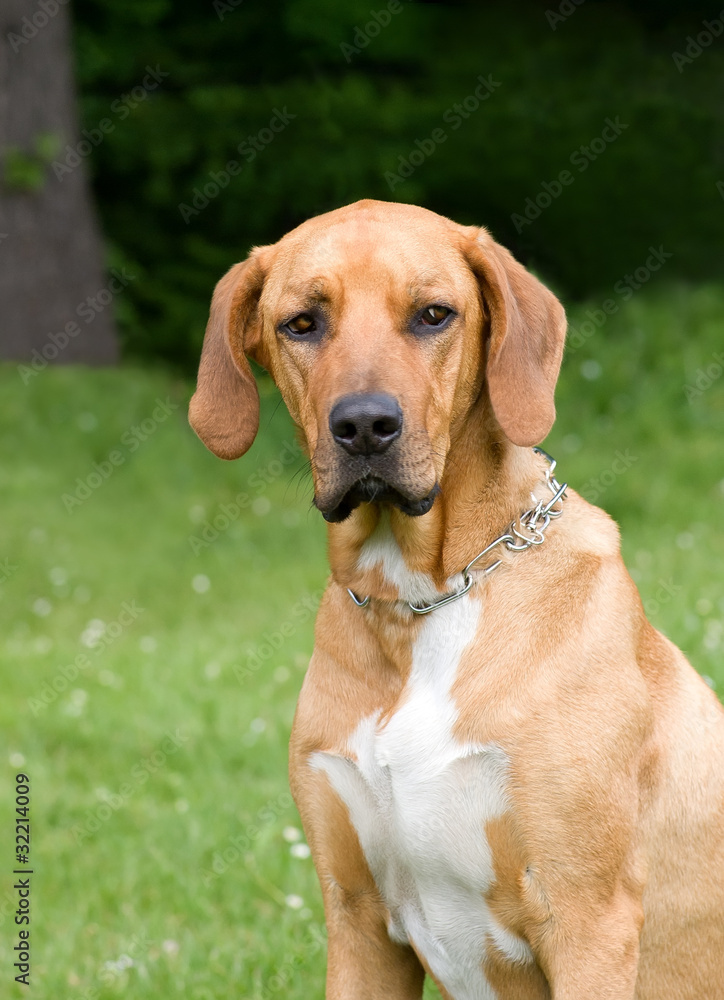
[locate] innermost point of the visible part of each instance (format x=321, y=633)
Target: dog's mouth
x=372, y=489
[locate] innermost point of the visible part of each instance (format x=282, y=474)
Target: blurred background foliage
x=231, y=66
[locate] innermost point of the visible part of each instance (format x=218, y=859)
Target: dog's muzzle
x=367, y=463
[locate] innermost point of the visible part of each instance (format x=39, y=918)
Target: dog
x=509, y=780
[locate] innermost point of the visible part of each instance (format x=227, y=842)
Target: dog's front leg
x=363, y=962
x=598, y=959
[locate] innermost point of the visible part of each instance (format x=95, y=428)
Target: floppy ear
x=527, y=332
x=224, y=410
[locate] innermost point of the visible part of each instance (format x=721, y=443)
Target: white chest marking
x=381, y=549
x=419, y=800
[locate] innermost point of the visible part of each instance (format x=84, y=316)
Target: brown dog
x=519, y=791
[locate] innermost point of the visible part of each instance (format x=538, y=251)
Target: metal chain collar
x=529, y=529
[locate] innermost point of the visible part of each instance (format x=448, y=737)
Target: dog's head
x=382, y=324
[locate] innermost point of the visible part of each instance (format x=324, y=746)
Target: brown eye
x=301, y=324
x=434, y=315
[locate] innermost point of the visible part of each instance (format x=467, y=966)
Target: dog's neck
x=385, y=554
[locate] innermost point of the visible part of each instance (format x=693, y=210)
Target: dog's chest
x=419, y=800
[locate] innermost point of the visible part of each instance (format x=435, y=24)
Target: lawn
x=156, y=611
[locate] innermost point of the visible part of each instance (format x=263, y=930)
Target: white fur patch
x=419, y=800
x=381, y=549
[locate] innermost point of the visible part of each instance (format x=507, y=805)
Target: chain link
x=528, y=529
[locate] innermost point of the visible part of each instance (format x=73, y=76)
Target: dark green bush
x=232, y=66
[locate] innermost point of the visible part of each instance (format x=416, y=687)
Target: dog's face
x=381, y=324
x=369, y=333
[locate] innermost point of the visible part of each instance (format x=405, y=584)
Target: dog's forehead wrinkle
x=293, y=285
x=315, y=287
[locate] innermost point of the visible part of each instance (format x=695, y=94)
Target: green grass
x=128, y=837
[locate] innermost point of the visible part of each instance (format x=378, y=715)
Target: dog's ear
x=527, y=332
x=224, y=410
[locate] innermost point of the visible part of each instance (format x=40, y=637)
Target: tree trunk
x=55, y=298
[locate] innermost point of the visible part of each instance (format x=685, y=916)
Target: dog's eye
x=301, y=325
x=434, y=315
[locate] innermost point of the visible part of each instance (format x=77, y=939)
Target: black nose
x=366, y=423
